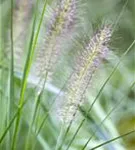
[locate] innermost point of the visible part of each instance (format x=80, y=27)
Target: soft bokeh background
x=119, y=93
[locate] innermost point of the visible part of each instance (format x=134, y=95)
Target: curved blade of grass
x=9, y=125
x=64, y=137
x=99, y=93
x=60, y=137
x=108, y=114
x=21, y=100
x=43, y=143
x=2, y=72
x=10, y=105
x=120, y=15
x=112, y=140
x=28, y=64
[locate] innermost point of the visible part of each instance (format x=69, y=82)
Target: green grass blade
x=60, y=137
x=120, y=15
x=28, y=64
x=11, y=95
x=9, y=125
x=37, y=102
x=24, y=84
x=10, y=108
x=112, y=140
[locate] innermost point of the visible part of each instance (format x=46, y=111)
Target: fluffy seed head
x=61, y=22
x=63, y=17
x=86, y=65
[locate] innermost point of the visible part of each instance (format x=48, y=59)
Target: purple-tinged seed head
x=85, y=67
x=61, y=21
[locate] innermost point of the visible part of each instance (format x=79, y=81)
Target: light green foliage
x=30, y=104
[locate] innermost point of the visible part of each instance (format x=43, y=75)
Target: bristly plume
x=85, y=67
x=60, y=23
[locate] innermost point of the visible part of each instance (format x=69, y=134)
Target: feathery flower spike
x=86, y=65
x=61, y=21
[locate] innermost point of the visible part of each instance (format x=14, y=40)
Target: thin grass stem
x=25, y=76
x=112, y=140
x=10, y=110
x=37, y=101
x=60, y=137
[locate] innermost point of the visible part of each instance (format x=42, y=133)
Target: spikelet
x=86, y=65
x=60, y=23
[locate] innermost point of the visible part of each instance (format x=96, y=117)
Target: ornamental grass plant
x=67, y=75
